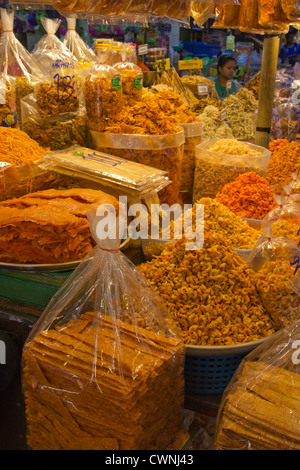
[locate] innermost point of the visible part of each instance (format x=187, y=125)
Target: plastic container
x=213, y=169
x=164, y=152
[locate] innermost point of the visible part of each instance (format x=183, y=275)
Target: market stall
x=149, y=237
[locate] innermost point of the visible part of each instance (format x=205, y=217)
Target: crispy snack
x=249, y=196
x=210, y=293
x=278, y=298
x=57, y=97
x=262, y=411
x=240, y=121
x=23, y=88
x=284, y=161
x=287, y=228
x=49, y=226
x=97, y=383
x=8, y=115
x=102, y=100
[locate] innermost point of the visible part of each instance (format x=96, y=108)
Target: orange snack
x=249, y=196
x=284, y=161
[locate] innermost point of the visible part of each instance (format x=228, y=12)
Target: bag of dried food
x=289, y=117
x=220, y=161
x=291, y=9
x=201, y=11
x=193, y=137
x=17, y=63
x=164, y=152
x=83, y=53
x=273, y=260
x=56, y=133
x=103, y=366
x=60, y=91
x=103, y=95
x=8, y=107
x=132, y=82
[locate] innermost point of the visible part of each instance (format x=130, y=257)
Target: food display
x=219, y=162
x=210, y=293
x=249, y=196
x=48, y=227
x=284, y=161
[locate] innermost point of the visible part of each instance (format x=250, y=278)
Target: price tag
x=223, y=115
x=163, y=64
x=228, y=85
x=143, y=49
x=202, y=89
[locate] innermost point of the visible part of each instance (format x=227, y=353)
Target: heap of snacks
x=219, y=219
x=17, y=148
x=212, y=125
x=210, y=293
x=197, y=80
x=241, y=122
x=249, y=196
x=285, y=160
x=286, y=228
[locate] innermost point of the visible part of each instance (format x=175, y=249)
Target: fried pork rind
x=132, y=82
x=103, y=367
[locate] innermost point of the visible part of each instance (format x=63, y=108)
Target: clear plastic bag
x=83, y=53
x=291, y=9
x=193, y=137
x=289, y=117
x=164, y=152
x=56, y=133
x=132, y=82
x=103, y=95
x=103, y=366
x=249, y=19
x=60, y=91
x=17, y=62
x=201, y=11
x=8, y=106
x=273, y=260
x=259, y=409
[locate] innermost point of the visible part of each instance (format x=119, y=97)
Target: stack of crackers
x=97, y=383
x=263, y=410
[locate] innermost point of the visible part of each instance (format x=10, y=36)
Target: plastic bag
x=227, y=16
x=164, y=152
x=289, y=116
x=132, y=82
x=201, y=11
x=291, y=9
x=17, y=62
x=271, y=15
x=59, y=93
x=193, y=137
x=273, y=260
x=249, y=19
x=8, y=107
x=259, y=409
x=56, y=133
x=83, y=53
x=103, y=367
x=103, y=94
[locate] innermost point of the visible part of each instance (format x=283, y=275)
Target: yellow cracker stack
x=262, y=412
x=101, y=384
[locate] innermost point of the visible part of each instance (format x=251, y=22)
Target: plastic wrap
x=289, y=118
x=291, y=9
x=59, y=93
x=103, y=95
x=83, y=53
x=58, y=132
x=132, y=82
x=164, y=152
x=31, y=4
x=201, y=11
x=193, y=137
x=249, y=19
x=103, y=366
x=283, y=220
x=8, y=106
x=16, y=62
x=271, y=15
x=213, y=169
x=227, y=16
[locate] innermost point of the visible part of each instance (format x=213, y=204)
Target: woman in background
x=224, y=83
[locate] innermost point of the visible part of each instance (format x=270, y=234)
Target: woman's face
x=228, y=70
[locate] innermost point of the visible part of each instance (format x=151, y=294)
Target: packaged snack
x=59, y=93
x=103, y=95
x=164, y=152
x=17, y=63
x=193, y=137
x=132, y=82
x=56, y=133
x=83, y=53
x=103, y=360
x=291, y=9
x=201, y=11
x=8, y=109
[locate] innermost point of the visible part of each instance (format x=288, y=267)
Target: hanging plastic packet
x=132, y=82
x=83, y=53
x=289, y=116
x=201, y=11
x=59, y=93
x=19, y=70
x=274, y=261
x=103, y=366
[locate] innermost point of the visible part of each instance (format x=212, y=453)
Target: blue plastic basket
x=210, y=374
x=209, y=369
